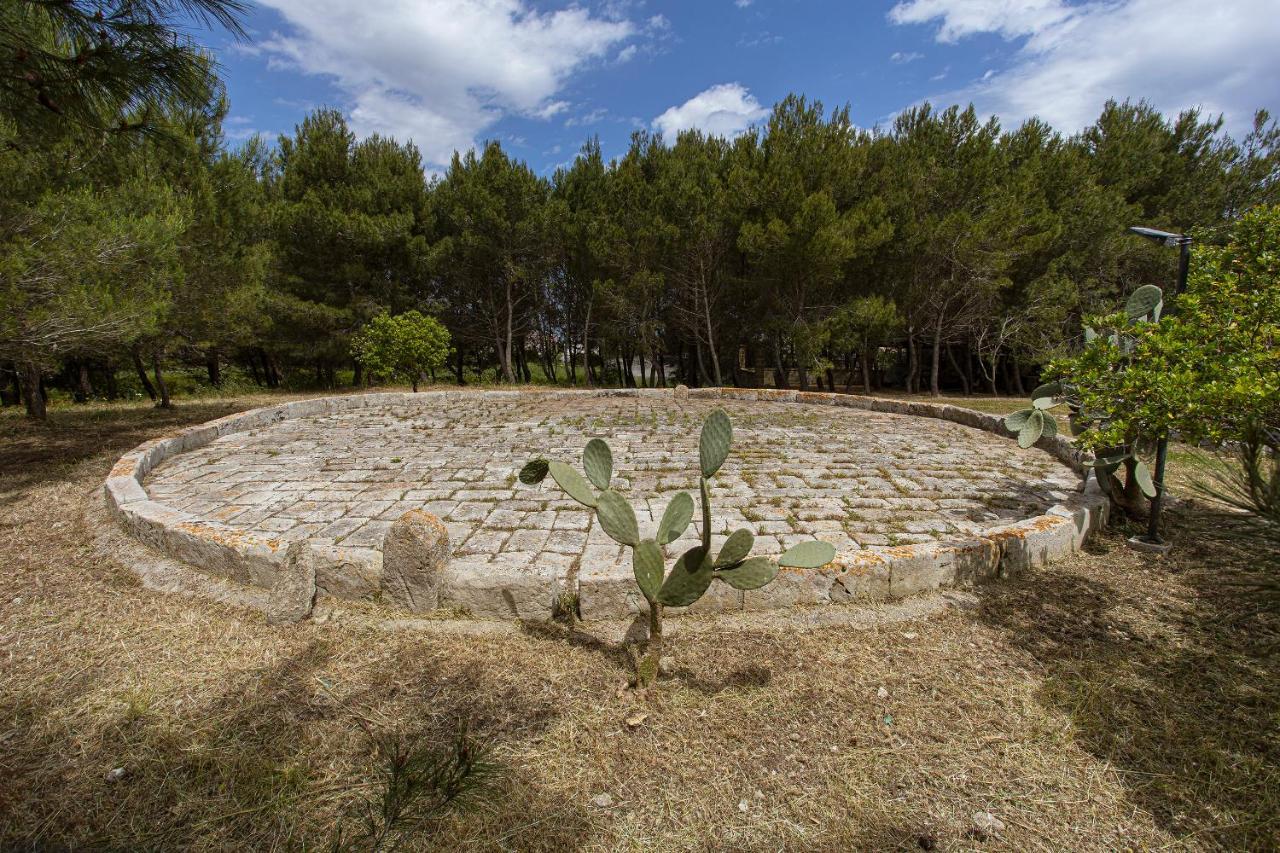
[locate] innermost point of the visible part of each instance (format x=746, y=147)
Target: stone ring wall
x=294, y=572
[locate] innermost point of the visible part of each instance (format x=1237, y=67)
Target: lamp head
x=1166, y=237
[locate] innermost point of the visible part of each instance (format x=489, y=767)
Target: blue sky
x=544, y=76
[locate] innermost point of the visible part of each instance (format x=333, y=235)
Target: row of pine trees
x=942, y=252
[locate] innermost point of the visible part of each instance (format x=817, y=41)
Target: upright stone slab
x=414, y=556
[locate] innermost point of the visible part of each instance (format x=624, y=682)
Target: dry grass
x=1110, y=702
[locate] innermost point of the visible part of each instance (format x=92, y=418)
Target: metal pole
x=1162, y=447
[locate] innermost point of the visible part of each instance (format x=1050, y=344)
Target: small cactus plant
x=1143, y=306
x=693, y=571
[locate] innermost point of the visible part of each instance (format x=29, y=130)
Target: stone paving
x=859, y=479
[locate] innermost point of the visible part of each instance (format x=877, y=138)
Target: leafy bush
x=406, y=345
x=1207, y=372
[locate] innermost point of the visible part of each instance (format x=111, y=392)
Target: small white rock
x=882, y=693
x=987, y=822
x=602, y=800
x=115, y=775
x=744, y=806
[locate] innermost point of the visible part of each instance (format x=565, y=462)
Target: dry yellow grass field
x=1114, y=701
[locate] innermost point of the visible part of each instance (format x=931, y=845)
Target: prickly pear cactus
x=694, y=570
x=1030, y=425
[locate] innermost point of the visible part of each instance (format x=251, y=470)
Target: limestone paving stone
x=855, y=472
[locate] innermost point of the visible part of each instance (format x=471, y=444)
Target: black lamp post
x=1183, y=244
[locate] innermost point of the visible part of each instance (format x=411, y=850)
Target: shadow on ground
x=238, y=770
x=1176, y=691
x=33, y=453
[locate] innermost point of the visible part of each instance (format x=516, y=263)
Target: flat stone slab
x=870, y=476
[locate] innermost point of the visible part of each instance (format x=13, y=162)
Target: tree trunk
x=109, y=378
x=550, y=368
x=269, y=368
x=136, y=352
x=1009, y=382
x=586, y=346
x=1017, y=378
x=357, y=373
x=955, y=365
x=780, y=378
x=711, y=338
x=866, y=372
x=703, y=379
x=522, y=359
x=15, y=378
x=141, y=370
x=214, y=367
x=936, y=365
x=32, y=393
x=84, y=387
x=161, y=385
x=913, y=361
x=459, y=365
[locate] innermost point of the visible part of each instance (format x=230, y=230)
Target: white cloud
x=440, y=72
x=240, y=128
x=1175, y=53
x=594, y=117
x=960, y=18
x=550, y=110
x=763, y=39
x=903, y=58
x=742, y=4
x=724, y=110
x=626, y=54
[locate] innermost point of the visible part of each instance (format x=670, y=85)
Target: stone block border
x=294, y=574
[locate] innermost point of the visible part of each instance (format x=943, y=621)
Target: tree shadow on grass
x=33, y=453
x=276, y=758
x=1179, y=694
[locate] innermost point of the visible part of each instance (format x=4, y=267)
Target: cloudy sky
x=544, y=76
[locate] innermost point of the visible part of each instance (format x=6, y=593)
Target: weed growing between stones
x=694, y=570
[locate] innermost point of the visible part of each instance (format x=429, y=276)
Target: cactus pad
x=647, y=563
x=675, y=519
x=617, y=518
x=534, y=471
x=713, y=445
x=736, y=548
x=1032, y=430
x=573, y=483
x=752, y=574
x=1143, y=302
x=597, y=461
x=688, y=580
x=808, y=555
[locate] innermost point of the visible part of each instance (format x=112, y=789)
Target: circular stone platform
x=301, y=496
